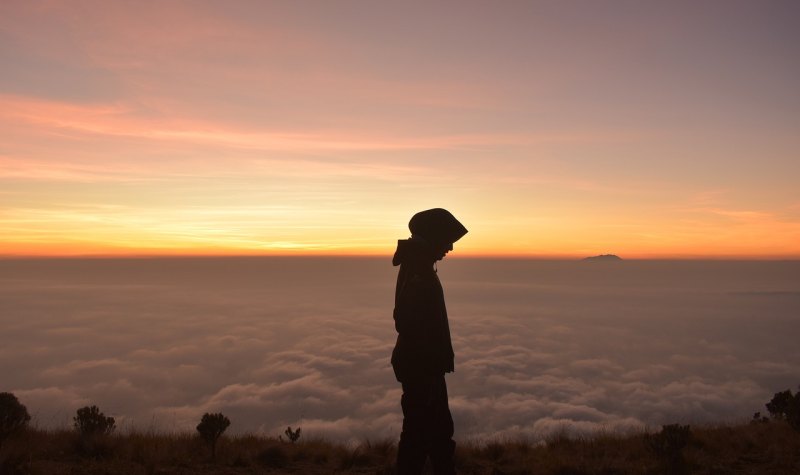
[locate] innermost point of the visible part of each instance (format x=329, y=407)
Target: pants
x=427, y=427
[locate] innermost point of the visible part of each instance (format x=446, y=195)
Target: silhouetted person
x=424, y=353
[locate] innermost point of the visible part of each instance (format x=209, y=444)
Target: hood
x=437, y=226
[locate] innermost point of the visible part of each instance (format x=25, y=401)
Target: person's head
x=439, y=228
x=440, y=251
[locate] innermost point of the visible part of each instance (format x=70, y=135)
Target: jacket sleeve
x=412, y=312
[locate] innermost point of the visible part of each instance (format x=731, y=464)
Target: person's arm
x=415, y=316
x=412, y=305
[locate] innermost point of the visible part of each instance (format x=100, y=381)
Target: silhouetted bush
x=786, y=406
x=90, y=421
x=211, y=427
x=758, y=418
x=14, y=416
x=778, y=406
x=293, y=435
x=93, y=427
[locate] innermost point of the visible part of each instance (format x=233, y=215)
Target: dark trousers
x=427, y=427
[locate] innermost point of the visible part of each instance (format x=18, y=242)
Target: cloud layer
x=541, y=347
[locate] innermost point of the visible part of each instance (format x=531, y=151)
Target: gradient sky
x=564, y=128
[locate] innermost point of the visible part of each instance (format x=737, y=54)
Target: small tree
x=90, y=421
x=13, y=416
x=211, y=427
x=785, y=405
x=757, y=417
x=778, y=406
x=793, y=414
x=292, y=435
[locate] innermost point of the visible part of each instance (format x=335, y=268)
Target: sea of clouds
x=541, y=346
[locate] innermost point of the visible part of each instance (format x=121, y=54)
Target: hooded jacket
x=423, y=345
x=437, y=226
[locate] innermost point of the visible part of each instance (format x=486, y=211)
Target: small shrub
x=93, y=427
x=211, y=427
x=90, y=421
x=292, y=435
x=786, y=406
x=14, y=416
x=758, y=418
x=779, y=405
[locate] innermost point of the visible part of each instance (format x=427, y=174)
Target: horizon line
x=470, y=256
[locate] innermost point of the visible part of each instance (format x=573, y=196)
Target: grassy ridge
x=756, y=448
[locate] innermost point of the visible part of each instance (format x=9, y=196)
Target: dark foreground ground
x=757, y=448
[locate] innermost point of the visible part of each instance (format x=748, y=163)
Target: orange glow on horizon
x=103, y=250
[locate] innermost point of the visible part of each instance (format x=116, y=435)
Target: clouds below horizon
x=541, y=347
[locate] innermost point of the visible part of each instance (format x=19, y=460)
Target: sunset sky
x=555, y=129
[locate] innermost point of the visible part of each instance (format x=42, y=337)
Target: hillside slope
x=756, y=448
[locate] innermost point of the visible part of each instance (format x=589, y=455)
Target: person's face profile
x=442, y=251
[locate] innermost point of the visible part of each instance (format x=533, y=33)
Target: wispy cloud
x=126, y=121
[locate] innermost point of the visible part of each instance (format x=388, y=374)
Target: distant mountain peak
x=603, y=257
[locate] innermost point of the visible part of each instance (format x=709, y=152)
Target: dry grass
x=759, y=448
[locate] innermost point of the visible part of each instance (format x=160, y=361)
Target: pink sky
x=549, y=128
